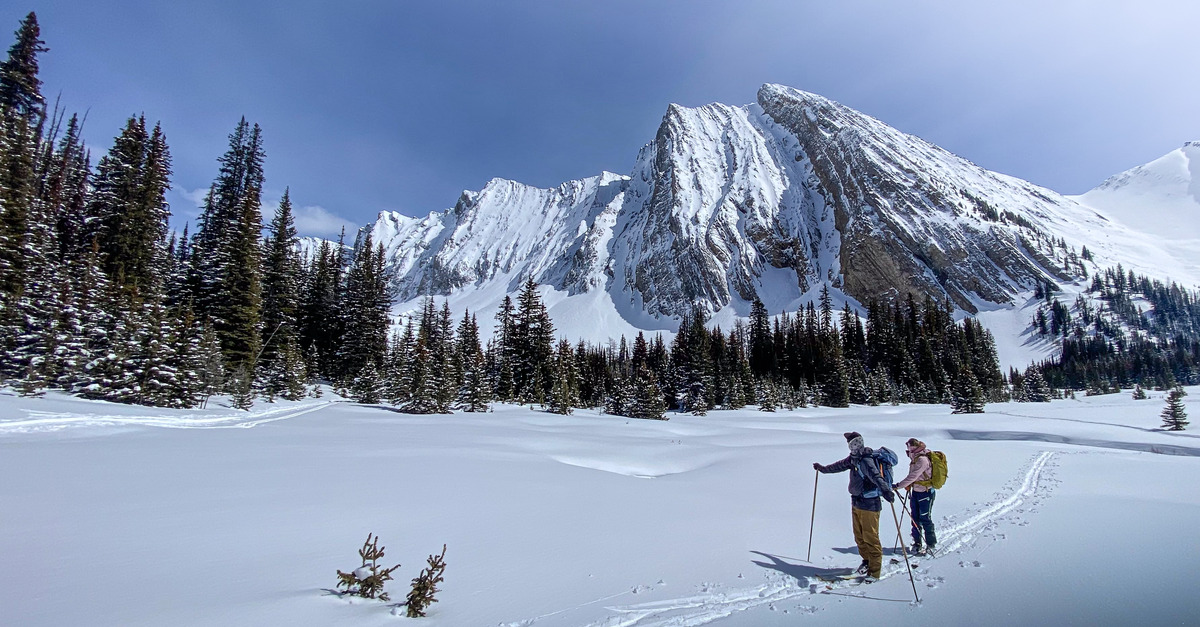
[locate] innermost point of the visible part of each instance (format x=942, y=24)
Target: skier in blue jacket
x=866, y=485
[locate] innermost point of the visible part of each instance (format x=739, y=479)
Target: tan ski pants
x=866, y=535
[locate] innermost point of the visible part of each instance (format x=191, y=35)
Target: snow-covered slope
x=771, y=200
x=1063, y=513
x=1161, y=197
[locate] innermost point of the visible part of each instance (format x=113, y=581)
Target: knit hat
x=851, y=435
x=854, y=440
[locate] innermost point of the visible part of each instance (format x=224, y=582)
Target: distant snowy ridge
x=771, y=200
x=1161, y=197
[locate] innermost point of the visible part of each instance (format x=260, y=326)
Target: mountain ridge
x=769, y=200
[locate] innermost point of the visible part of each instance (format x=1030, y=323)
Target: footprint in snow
x=973, y=563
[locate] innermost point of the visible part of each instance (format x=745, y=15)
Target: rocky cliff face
x=728, y=204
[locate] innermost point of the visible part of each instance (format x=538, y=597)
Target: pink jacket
x=919, y=469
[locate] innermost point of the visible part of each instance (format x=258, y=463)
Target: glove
x=895, y=486
x=890, y=496
x=818, y=467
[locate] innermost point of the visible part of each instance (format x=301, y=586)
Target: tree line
x=99, y=298
x=1126, y=330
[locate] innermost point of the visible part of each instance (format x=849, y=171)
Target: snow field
x=581, y=520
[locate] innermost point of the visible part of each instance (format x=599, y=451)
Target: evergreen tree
x=505, y=350
x=364, y=310
x=442, y=361
x=396, y=377
x=647, y=398
x=1035, y=387
x=20, y=87
x=768, y=396
x=564, y=394
x=619, y=400
x=211, y=379
x=1174, y=415
x=762, y=348
x=320, y=323
x=281, y=301
x=473, y=389
x=968, y=396
x=226, y=253
x=242, y=388
x=367, y=386
x=533, y=346
x=22, y=113
x=129, y=211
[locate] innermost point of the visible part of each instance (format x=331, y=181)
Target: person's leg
x=869, y=547
x=913, y=510
x=858, y=533
x=927, y=520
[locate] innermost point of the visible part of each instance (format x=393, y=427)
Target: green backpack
x=937, y=478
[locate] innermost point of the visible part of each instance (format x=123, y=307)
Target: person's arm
x=918, y=467
x=838, y=466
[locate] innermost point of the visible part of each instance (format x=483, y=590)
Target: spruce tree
x=505, y=350
x=647, y=397
x=620, y=394
x=967, y=396
x=364, y=309
x=241, y=388
x=768, y=396
x=20, y=87
x=281, y=300
x=473, y=391
x=533, y=346
x=367, y=386
x=129, y=211
x=396, y=372
x=22, y=114
x=1174, y=414
x=226, y=257
x=762, y=348
x=564, y=393
x=1035, y=388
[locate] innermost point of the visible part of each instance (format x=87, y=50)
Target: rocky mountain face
x=775, y=198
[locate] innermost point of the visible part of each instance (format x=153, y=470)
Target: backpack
x=885, y=459
x=939, y=472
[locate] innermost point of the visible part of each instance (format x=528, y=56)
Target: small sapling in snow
x=425, y=586
x=367, y=580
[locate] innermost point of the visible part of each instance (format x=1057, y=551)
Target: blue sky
x=400, y=105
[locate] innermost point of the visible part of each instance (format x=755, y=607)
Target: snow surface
x=1073, y=512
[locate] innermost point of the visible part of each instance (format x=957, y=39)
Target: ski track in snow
x=38, y=421
x=956, y=534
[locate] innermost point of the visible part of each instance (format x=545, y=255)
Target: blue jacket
x=865, y=478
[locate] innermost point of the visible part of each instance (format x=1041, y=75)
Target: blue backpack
x=884, y=458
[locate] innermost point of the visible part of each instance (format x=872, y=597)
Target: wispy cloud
x=316, y=221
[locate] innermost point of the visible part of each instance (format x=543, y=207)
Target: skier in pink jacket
x=920, y=483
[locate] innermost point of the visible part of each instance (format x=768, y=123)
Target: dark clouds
x=398, y=105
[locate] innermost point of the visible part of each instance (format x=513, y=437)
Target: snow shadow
x=801, y=572
x=1160, y=449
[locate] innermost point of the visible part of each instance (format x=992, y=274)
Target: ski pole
x=814, y=515
x=906, y=564
x=903, y=511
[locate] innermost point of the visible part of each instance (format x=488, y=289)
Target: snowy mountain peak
x=1161, y=197
x=766, y=201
